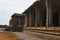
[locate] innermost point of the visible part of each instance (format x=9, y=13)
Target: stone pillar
x=29, y=19
x=47, y=12
x=19, y=25
x=42, y=13
x=59, y=19
x=21, y=22
x=50, y=15
x=26, y=20
x=50, y=18
x=36, y=17
x=38, y=14
x=32, y=18
x=37, y=20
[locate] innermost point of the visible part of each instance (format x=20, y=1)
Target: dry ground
x=7, y=36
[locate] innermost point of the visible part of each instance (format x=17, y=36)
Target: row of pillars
x=33, y=18
x=36, y=17
x=41, y=15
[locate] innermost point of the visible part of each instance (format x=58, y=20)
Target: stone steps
x=45, y=36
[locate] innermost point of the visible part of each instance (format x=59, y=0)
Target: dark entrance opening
x=55, y=18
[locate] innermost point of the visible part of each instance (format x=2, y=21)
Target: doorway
x=55, y=18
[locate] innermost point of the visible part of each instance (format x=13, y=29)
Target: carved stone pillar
x=50, y=14
x=36, y=17
x=25, y=21
x=43, y=13
x=50, y=18
x=37, y=21
x=29, y=19
x=32, y=19
x=39, y=14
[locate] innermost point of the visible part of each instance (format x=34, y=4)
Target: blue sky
x=8, y=7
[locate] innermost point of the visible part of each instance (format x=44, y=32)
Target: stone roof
x=32, y=6
x=17, y=15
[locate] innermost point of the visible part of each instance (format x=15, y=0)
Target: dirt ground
x=7, y=36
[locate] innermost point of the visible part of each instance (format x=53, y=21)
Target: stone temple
x=42, y=14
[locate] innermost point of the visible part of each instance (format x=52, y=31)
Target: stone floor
x=26, y=36
x=17, y=36
x=44, y=36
